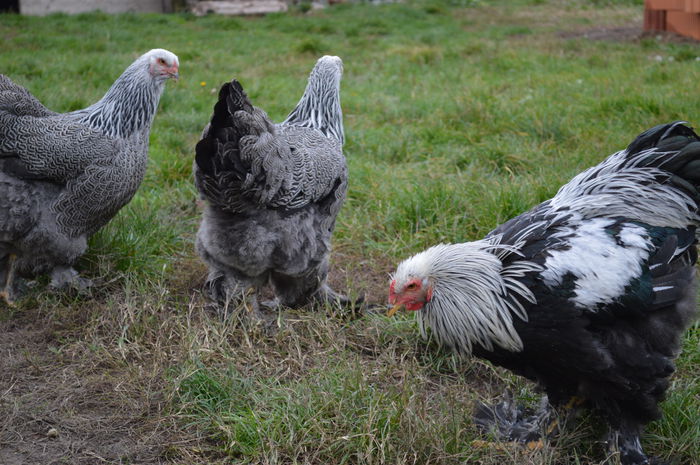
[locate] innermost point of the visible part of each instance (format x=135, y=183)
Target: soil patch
x=631, y=33
x=56, y=410
x=63, y=401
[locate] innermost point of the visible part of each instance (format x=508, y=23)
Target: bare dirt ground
x=64, y=401
x=629, y=33
x=56, y=409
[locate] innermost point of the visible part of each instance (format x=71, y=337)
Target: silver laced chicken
x=272, y=193
x=65, y=175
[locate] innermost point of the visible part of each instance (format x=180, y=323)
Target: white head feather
x=128, y=107
x=474, y=297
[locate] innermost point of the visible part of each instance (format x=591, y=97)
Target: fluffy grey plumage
x=273, y=192
x=63, y=176
x=587, y=294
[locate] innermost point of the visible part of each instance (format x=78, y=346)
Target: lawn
x=458, y=115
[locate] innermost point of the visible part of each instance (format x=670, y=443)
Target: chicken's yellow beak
x=394, y=309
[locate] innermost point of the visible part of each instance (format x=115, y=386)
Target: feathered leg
x=231, y=292
x=512, y=423
x=297, y=291
x=7, y=290
x=625, y=441
x=65, y=276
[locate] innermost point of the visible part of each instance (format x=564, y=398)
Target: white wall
x=44, y=7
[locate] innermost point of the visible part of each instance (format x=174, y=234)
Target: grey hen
x=64, y=176
x=273, y=192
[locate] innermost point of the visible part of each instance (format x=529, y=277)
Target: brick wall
x=679, y=16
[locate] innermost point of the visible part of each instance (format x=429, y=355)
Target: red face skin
x=161, y=67
x=413, y=296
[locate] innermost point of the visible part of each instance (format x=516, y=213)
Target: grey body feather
x=64, y=175
x=273, y=191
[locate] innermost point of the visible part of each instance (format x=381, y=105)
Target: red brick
x=654, y=20
x=665, y=4
x=683, y=23
x=692, y=6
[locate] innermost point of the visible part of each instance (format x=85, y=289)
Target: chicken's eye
x=161, y=61
x=411, y=287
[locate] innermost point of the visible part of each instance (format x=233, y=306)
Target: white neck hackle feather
x=319, y=107
x=474, y=296
x=130, y=104
x=620, y=187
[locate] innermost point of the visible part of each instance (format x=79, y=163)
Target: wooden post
x=239, y=7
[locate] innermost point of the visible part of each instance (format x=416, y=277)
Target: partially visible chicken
x=63, y=176
x=273, y=192
x=588, y=293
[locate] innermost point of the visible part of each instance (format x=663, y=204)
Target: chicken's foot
x=514, y=424
x=6, y=292
x=66, y=277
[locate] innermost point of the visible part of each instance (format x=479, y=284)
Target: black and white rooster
x=586, y=294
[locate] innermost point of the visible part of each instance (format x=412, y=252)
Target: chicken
x=272, y=193
x=65, y=175
x=587, y=294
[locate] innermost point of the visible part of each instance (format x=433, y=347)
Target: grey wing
x=309, y=168
x=91, y=200
x=52, y=148
x=17, y=100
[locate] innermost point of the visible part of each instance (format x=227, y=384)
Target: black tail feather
x=237, y=99
x=671, y=136
x=674, y=148
x=223, y=134
x=222, y=173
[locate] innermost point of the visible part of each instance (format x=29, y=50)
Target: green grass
x=458, y=116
